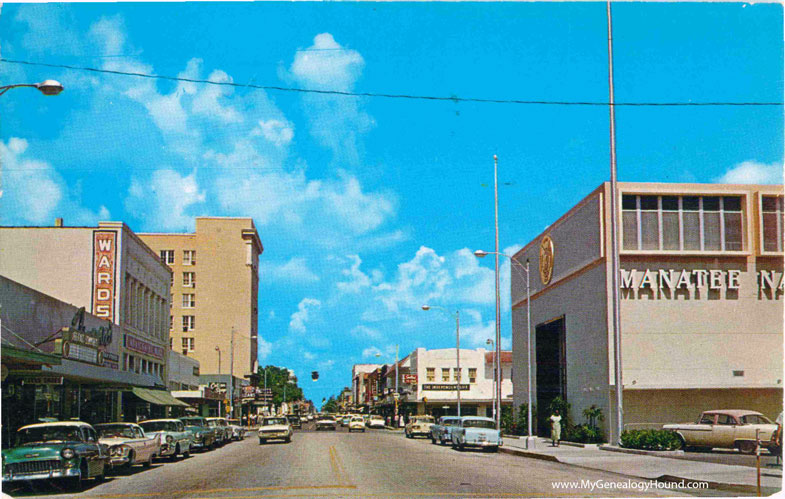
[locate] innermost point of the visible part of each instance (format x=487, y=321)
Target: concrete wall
x=482, y=389
x=183, y=372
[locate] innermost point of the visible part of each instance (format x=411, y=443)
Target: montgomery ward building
x=701, y=304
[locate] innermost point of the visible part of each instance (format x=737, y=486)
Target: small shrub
x=650, y=440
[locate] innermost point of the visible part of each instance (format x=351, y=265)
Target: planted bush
x=650, y=440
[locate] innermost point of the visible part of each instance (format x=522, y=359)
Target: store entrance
x=551, y=362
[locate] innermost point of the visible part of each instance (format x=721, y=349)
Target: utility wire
x=389, y=96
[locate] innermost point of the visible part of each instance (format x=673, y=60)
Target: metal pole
x=615, y=239
x=458, y=355
x=220, y=404
x=395, y=397
x=231, y=375
x=498, y=308
x=757, y=456
x=529, y=350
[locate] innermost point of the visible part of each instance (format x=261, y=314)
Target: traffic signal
x=314, y=375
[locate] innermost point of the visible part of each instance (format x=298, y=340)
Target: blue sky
x=370, y=207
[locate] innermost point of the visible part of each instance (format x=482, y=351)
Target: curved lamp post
x=46, y=87
x=481, y=254
x=457, y=317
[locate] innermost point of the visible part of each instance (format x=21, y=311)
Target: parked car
x=203, y=434
x=326, y=422
x=728, y=429
x=274, y=428
x=375, y=421
x=475, y=431
x=175, y=439
x=440, y=432
x=238, y=430
x=61, y=450
x=357, y=423
x=221, y=428
x=295, y=421
x=128, y=444
x=419, y=425
x=345, y=420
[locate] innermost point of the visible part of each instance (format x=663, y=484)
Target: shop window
x=772, y=214
x=472, y=375
x=430, y=374
x=167, y=256
x=189, y=257
x=445, y=374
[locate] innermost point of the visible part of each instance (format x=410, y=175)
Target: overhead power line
x=452, y=98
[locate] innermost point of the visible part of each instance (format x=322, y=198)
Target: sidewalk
x=742, y=479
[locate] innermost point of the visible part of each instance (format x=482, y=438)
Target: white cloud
x=371, y=352
x=264, y=349
x=326, y=365
x=366, y=333
x=294, y=270
x=753, y=172
x=299, y=318
x=357, y=278
x=278, y=132
x=327, y=65
x=309, y=356
x=166, y=199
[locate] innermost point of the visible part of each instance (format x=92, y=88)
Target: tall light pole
x=492, y=343
x=46, y=87
x=457, y=347
x=614, y=237
x=481, y=254
x=220, y=404
x=498, y=302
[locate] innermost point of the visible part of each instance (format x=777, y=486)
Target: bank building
x=701, y=291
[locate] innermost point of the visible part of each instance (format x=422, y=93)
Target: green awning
x=158, y=397
x=16, y=355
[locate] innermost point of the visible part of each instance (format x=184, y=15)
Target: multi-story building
x=360, y=387
x=214, y=287
x=701, y=285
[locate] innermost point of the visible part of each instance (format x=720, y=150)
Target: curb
x=641, y=452
x=533, y=455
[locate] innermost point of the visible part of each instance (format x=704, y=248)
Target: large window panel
x=711, y=231
x=692, y=231
x=733, y=240
x=630, y=222
x=650, y=232
x=670, y=230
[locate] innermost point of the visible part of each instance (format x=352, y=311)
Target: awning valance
x=158, y=397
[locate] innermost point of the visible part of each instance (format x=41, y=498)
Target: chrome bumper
x=61, y=473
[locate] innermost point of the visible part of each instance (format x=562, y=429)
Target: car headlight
x=67, y=453
x=169, y=439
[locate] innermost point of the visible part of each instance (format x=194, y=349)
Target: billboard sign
x=104, y=273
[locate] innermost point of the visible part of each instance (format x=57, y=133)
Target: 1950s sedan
x=128, y=445
x=732, y=428
x=440, y=432
x=475, y=431
x=276, y=427
x=419, y=425
x=64, y=450
x=174, y=438
x=203, y=435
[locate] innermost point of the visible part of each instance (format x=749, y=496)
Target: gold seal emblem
x=546, y=259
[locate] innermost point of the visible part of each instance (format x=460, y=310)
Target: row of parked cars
x=354, y=422
x=460, y=432
x=75, y=450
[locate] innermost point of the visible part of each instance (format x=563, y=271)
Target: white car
x=357, y=423
x=128, y=444
x=275, y=428
x=375, y=422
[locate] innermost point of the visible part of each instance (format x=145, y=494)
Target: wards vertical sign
x=104, y=262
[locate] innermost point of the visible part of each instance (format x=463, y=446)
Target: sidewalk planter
x=650, y=440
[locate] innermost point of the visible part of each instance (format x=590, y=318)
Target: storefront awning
x=158, y=397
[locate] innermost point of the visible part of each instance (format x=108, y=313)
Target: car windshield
x=151, y=426
x=48, y=434
x=114, y=430
x=358, y=419
x=272, y=421
x=212, y=423
x=450, y=422
x=326, y=418
x=479, y=423
x=193, y=421
x=423, y=419
x=755, y=419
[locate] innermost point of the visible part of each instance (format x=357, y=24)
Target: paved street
x=376, y=463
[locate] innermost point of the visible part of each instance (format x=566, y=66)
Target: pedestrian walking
x=555, y=428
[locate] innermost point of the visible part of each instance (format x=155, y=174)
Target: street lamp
x=46, y=87
x=457, y=346
x=491, y=343
x=530, y=439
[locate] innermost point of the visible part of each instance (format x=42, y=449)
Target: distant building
x=360, y=386
x=701, y=288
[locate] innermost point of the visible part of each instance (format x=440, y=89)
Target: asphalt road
x=377, y=463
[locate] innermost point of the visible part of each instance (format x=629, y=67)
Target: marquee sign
x=140, y=346
x=445, y=388
x=104, y=260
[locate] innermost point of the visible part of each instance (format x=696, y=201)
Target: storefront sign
x=111, y=360
x=698, y=278
x=410, y=379
x=218, y=387
x=546, y=259
x=104, y=257
x=444, y=388
x=137, y=345
x=103, y=334
x=43, y=380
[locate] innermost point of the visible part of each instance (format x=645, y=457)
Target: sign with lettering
x=104, y=259
x=698, y=278
x=140, y=346
x=43, y=380
x=111, y=360
x=445, y=388
x=410, y=379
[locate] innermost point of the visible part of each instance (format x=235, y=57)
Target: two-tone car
x=128, y=444
x=203, y=435
x=440, y=432
x=475, y=431
x=419, y=426
x=221, y=428
x=67, y=450
x=729, y=429
x=174, y=438
x=275, y=428
x=326, y=422
x=357, y=423
x=237, y=428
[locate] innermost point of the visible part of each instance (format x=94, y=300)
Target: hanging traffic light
x=314, y=375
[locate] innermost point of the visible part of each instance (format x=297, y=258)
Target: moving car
x=274, y=428
x=375, y=421
x=174, y=438
x=475, y=431
x=238, y=430
x=221, y=428
x=440, y=432
x=128, y=444
x=419, y=425
x=295, y=421
x=357, y=423
x=62, y=450
x=203, y=435
x=345, y=420
x=730, y=428
x=326, y=422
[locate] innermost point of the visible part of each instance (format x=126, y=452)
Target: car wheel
x=173, y=457
x=187, y=452
x=746, y=446
x=261, y=441
x=682, y=445
x=131, y=460
x=433, y=439
x=149, y=462
x=288, y=439
x=77, y=483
